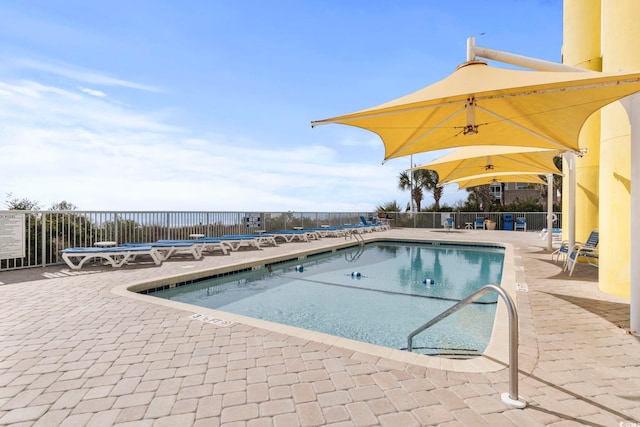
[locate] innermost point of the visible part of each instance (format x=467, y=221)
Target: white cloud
x=61, y=145
x=93, y=92
x=78, y=73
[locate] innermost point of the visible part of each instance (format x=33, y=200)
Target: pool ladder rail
x=355, y=235
x=511, y=398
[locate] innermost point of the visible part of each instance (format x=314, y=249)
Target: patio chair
x=115, y=257
x=563, y=251
x=521, y=223
x=448, y=223
x=588, y=253
x=587, y=250
x=479, y=223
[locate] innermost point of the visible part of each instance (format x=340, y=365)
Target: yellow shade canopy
x=469, y=161
x=480, y=104
x=484, y=179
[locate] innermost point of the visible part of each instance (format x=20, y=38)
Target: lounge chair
x=479, y=223
x=237, y=241
x=587, y=250
x=115, y=257
x=372, y=225
x=563, y=251
x=289, y=236
x=209, y=244
x=168, y=248
x=521, y=223
x=328, y=231
x=262, y=239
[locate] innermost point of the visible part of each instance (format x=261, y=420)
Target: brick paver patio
x=73, y=353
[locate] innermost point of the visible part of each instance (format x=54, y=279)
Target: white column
x=632, y=105
x=571, y=232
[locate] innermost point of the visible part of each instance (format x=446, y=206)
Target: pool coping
x=495, y=357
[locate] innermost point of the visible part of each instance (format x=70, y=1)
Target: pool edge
x=493, y=359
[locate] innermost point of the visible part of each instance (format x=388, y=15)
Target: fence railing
x=46, y=233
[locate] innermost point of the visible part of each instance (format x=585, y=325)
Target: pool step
x=448, y=353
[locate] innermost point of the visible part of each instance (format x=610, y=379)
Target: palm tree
x=423, y=179
x=479, y=197
x=389, y=207
x=406, y=183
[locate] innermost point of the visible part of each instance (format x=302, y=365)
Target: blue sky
x=206, y=105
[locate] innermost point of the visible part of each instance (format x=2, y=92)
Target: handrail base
x=518, y=404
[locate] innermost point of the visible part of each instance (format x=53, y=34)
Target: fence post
x=43, y=242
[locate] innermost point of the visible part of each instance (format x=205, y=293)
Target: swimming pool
x=378, y=294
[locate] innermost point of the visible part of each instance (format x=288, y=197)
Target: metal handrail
x=510, y=398
x=355, y=235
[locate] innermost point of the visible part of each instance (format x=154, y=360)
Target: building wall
x=602, y=35
x=581, y=48
x=620, y=52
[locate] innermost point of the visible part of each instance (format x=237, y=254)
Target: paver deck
x=75, y=353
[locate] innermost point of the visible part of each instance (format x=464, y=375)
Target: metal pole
x=550, y=198
x=510, y=398
x=511, y=58
x=571, y=232
x=632, y=105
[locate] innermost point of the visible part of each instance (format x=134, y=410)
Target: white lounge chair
x=168, y=248
x=328, y=231
x=261, y=239
x=373, y=226
x=210, y=244
x=115, y=257
x=289, y=236
x=237, y=241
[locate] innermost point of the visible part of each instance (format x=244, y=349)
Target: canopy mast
x=632, y=106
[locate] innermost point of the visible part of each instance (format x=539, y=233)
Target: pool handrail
x=511, y=398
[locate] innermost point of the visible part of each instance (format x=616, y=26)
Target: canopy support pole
x=632, y=106
x=511, y=58
x=571, y=232
x=550, y=211
x=536, y=64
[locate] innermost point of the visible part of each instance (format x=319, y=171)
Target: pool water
x=378, y=294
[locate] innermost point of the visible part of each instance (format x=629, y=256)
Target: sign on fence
x=253, y=222
x=12, y=236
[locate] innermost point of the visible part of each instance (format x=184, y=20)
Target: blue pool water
x=376, y=294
